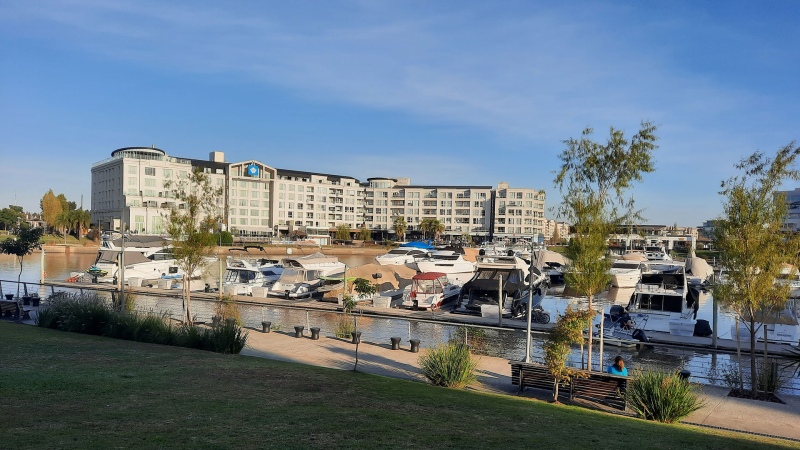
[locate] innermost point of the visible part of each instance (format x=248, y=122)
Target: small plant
x=364, y=288
x=662, y=396
x=569, y=330
x=344, y=326
x=449, y=365
x=228, y=308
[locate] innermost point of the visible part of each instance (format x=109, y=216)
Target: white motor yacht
x=145, y=258
x=452, y=263
x=301, y=276
x=626, y=272
x=480, y=294
x=662, y=298
x=401, y=255
x=242, y=275
x=430, y=290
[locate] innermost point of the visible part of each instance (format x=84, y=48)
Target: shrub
x=227, y=308
x=344, y=326
x=90, y=314
x=449, y=365
x=662, y=396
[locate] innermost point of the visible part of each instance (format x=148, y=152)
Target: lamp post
x=530, y=310
x=219, y=260
x=121, y=271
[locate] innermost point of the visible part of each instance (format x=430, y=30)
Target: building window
x=167, y=173
x=151, y=171
x=150, y=182
x=132, y=170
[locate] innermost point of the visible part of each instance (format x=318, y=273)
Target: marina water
x=706, y=366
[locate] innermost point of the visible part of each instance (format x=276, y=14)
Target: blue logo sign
x=252, y=170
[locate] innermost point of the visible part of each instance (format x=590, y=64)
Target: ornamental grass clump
x=662, y=396
x=449, y=365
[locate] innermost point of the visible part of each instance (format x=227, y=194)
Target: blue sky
x=442, y=92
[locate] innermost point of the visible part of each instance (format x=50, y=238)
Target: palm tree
x=63, y=222
x=400, y=226
x=81, y=221
x=430, y=225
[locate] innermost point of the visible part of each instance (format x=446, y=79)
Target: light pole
x=530, y=310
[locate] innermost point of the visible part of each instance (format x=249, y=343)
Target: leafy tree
x=26, y=242
x=51, y=208
x=364, y=288
x=466, y=238
x=191, y=224
x=11, y=216
x=364, y=233
x=753, y=242
x=343, y=232
x=568, y=330
x=556, y=238
x=400, y=227
x=594, y=179
x=81, y=219
x=432, y=226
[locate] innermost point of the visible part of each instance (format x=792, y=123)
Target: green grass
x=67, y=390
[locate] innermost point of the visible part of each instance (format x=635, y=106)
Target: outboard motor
x=640, y=336
x=702, y=328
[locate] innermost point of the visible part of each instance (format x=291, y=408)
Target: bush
x=449, y=365
x=662, y=396
x=90, y=314
x=344, y=326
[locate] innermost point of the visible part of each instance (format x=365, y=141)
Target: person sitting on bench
x=618, y=368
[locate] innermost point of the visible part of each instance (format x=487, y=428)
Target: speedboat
x=402, y=255
x=243, y=273
x=698, y=272
x=662, y=298
x=449, y=262
x=430, y=290
x=145, y=258
x=509, y=274
x=301, y=277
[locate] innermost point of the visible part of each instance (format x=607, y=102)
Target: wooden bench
x=13, y=309
x=605, y=389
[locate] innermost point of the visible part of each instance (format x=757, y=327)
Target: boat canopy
x=314, y=258
x=418, y=244
x=429, y=276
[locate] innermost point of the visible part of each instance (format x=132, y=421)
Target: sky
x=446, y=93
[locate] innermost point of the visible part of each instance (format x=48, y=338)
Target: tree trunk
x=188, y=299
x=739, y=355
x=555, y=390
x=753, y=373
x=591, y=338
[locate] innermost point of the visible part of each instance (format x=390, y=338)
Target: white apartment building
x=259, y=200
x=130, y=187
x=518, y=212
x=461, y=209
x=551, y=227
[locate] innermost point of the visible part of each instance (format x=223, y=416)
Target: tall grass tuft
x=90, y=314
x=449, y=365
x=662, y=396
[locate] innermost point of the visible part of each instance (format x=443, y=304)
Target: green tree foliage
x=191, y=224
x=51, y=208
x=568, y=330
x=400, y=227
x=432, y=226
x=343, y=232
x=594, y=180
x=364, y=233
x=11, y=216
x=364, y=288
x=753, y=243
x=25, y=243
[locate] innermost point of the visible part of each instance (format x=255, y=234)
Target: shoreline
x=270, y=250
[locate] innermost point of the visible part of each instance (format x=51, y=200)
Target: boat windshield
x=427, y=287
x=239, y=276
x=289, y=276
x=398, y=252
x=625, y=265
x=493, y=274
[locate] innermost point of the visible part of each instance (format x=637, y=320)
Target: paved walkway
x=494, y=375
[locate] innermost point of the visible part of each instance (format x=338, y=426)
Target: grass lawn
x=64, y=390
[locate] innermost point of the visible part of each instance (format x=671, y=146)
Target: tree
x=343, y=232
x=568, y=330
x=191, y=223
x=364, y=234
x=11, y=216
x=26, y=242
x=400, y=227
x=594, y=179
x=81, y=219
x=51, y=208
x=555, y=239
x=364, y=288
x=432, y=226
x=754, y=244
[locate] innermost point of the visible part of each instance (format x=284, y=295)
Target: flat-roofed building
x=518, y=212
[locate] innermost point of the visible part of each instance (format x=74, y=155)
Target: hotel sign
x=252, y=170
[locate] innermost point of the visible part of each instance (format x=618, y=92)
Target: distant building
x=259, y=200
x=792, y=220
x=552, y=227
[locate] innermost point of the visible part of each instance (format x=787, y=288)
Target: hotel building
x=259, y=200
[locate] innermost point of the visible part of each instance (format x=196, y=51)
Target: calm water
x=705, y=366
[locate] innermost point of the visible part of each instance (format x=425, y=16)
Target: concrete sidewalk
x=494, y=375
